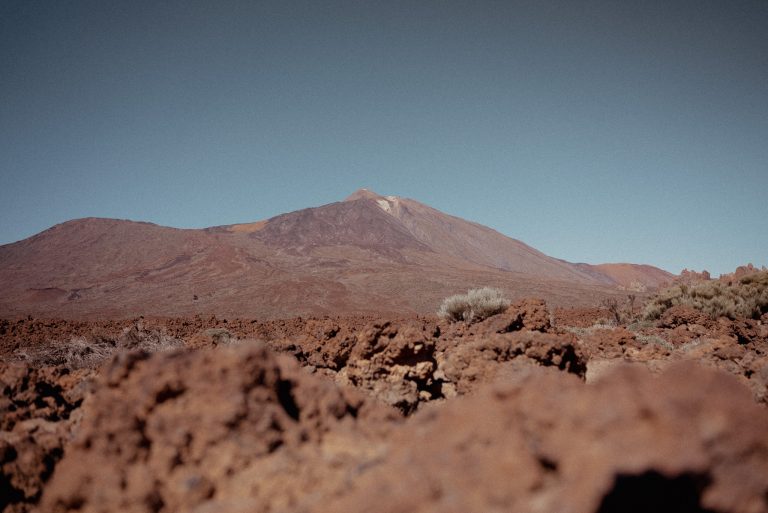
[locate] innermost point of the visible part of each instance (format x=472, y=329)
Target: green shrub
x=745, y=297
x=475, y=305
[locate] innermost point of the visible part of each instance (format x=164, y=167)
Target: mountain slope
x=635, y=275
x=475, y=243
x=367, y=254
x=362, y=224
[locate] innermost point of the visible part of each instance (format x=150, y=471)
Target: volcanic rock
x=690, y=440
x=526, y=314
x=323, y=343
x=680, y=315
x=395, y=364
x=38, y=411
x=223, y=429
x=465, y=364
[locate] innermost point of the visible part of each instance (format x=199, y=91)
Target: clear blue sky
x=596, y=131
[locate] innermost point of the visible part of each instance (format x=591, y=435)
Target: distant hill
x=366, y=254
x=634, y=276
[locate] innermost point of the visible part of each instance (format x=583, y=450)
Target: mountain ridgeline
x=366, y=254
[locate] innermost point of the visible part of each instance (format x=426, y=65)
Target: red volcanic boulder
x=687, y=276
x=230, y=429
x=741, y=272
x=580, y=317
x=527, y=314
x=241, y=429
x=689, y=440
x=609, y=342
x=394, y=363
x=680, y=315
x=467, y=363
x=744, y=331
x=324, y=344
x=747, y=362
x=38, y=411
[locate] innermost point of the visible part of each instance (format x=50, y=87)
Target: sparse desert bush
x=745, y=297
x=80, y=352
x=475, y=305
x=612, y=305
x=76, y=353
x=621, y=312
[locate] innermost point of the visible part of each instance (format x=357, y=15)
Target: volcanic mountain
x=366, y=254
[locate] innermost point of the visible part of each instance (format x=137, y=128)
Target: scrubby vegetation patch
x=475, y=305
x=743, y=297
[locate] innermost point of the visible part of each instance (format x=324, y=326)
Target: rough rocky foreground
x=526, y=411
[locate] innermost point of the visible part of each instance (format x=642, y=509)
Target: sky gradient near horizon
x=595, y=131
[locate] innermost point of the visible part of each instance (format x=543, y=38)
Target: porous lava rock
x=749, y=363
x=691, y=276
x=689, y=323
x=527, y=314
x=688, y=440
x=38, y=411
x=394, y=363
x=681, y=315
x=229, y=429
x=609, y=342
x=464, y=364
x=745, y=331
x=580, y=317
x=235, y=427
x=323, y=343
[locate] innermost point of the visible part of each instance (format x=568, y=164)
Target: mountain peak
x=362, y=194
x=364, y=254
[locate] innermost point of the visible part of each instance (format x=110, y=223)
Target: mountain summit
x=364, y=194
x=368, y=253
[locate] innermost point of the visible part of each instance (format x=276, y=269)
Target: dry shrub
x=80, y=352
x=620, y=312
x=745, y=297
x=150, y=341
x=76, y=353
x=475, y=305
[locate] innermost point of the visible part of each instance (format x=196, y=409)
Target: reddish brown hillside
x=360, y=223
x=367, y=254
x=634, y=276
x=449, y=235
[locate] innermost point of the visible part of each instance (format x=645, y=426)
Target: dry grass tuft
x=475, y=305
